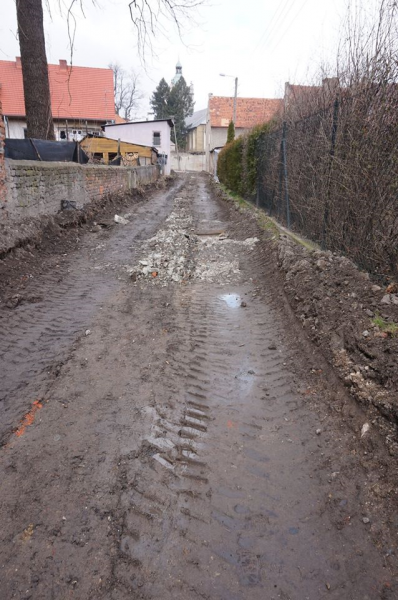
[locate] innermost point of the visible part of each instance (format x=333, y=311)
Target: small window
x=25, y=132
x=156, y=138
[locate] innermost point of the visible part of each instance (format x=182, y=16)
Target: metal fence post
x=331, y=156
x=258, y=152
x=284, y=157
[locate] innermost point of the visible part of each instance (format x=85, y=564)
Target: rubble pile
x=217, y=260
x=176, y=253
x=166, y=254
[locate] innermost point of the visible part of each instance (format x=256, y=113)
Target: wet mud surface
x=193, y=444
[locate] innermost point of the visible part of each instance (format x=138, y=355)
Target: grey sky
x=263, y=43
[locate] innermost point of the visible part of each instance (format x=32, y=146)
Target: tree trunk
x=34, y=69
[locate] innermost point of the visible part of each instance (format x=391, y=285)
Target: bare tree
x=126, y=90
x=34, y=69
x=148, y=16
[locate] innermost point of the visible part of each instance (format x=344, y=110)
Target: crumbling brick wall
x=2, y=162
x=37, y=188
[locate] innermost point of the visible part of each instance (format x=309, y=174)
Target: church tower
x=178, y=74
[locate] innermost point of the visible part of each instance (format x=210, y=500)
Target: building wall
x=15, y=129
x=196, y=139
x=219, y=136
x=188, y=162
x=216, y=137
x=142, y=133
x=38, y=188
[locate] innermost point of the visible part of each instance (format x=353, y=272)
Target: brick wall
x=249, y=111
x=37, y=188
x=2, y=162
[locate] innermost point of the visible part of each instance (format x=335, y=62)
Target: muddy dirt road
x=179, y=438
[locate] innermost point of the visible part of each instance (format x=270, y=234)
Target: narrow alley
x=168, y=431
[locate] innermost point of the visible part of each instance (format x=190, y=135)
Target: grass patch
x=385, y=326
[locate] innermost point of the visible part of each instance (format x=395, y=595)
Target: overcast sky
x=263, y=43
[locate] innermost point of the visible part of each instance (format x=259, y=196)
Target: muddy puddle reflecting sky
x=231, y=300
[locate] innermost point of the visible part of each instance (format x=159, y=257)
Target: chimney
x=63, y=64
x=331, y=84
x=18, y=62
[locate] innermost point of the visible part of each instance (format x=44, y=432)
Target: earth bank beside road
x=352, y=319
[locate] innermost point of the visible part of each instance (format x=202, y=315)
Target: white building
x=148, y=133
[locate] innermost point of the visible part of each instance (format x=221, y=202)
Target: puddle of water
x=231, y=300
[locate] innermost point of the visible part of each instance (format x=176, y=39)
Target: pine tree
x=160, y=100
x=176, y=103
x=181, y=104
x=231, y=132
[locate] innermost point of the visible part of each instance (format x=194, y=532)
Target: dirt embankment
x=353, y=320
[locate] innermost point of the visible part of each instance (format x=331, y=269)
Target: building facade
x=196, y=135
x=82, y=100
x=249, y=113
x=148, y=133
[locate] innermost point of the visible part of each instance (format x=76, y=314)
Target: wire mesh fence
x=333, y=176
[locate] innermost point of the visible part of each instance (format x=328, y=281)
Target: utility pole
x=235, y=99
x=175, y=139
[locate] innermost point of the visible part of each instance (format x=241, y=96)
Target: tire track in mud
x=202, y=475
x=36, y=337
x=221, y=503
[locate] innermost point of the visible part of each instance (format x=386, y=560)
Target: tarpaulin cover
x=32, y=149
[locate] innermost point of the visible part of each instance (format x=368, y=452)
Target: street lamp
x=236, y=94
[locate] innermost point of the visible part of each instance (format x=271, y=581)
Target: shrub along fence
x=333, y=175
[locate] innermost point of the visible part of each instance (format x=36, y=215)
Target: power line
x=265, y=32
x=281, y=19
x=274, y=47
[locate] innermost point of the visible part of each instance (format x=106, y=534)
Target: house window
x=25, y=132
x=62, y=134
x=156, y=138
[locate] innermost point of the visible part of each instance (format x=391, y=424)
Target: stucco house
x=82, y=99
x=249, y=113
x=148, y=133
x=196, y=136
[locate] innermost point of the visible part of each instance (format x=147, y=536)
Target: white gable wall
x=142, y=133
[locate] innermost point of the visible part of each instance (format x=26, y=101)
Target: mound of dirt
x=353, y=320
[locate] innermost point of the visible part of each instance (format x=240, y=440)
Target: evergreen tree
x=160, y=100
x=181, y=106
x=176, y=103
x=231, y=132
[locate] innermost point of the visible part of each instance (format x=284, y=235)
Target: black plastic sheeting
x=32, y=149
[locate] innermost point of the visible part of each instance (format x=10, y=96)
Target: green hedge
x=237, y=162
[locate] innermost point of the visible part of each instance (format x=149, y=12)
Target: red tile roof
x=82, y=93
x=249, y=111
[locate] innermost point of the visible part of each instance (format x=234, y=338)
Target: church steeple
x=178, y=74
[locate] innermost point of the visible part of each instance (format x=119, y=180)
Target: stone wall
x=34, y=189
x=2, y=161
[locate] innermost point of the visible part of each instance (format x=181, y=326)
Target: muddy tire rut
x=194, y=444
